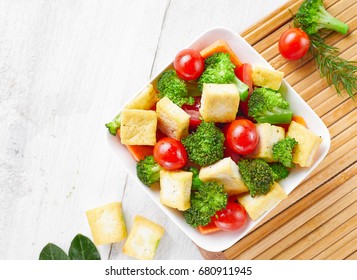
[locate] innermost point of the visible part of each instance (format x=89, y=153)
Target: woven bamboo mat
x=319, y=218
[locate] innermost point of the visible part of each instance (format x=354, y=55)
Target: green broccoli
x=268, y=106
x=313, y=16
x=219, y=69
x=279, y=170
x=206, y=145
x=171, y=86
x=256, y=175
x=283, y=151
x=148, y=170
x=196, y=181
x=205, y=202
x=114, y=125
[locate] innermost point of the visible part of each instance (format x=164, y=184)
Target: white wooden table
x=66, y=67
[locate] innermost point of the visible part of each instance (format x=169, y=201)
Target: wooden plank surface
x=319, y=218
x=66, y=68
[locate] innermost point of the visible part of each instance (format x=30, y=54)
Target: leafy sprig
x=339, y=72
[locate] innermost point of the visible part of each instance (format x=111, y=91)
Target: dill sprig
x=339, y=72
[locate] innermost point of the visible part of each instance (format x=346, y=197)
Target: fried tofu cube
x=143, y=239
x=175, y=189
x=267, y=78
x=219, y=102
x=268, y=136
x=145, y=100
x=307, y=146
x=138, y=127
x=258, y=205
x=225, y=172
x=107, y=223
x=172, y=120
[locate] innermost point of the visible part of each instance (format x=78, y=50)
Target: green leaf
x=52, y=252
x=82, y=248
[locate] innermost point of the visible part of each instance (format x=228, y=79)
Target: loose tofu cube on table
x=256, y=206
x=268, y=136
x=175, y=189
x=226, y=173
x=143, y=239
x=145, y=100
x=138, y=127
x=307, y=146
x=172, y=120
x=219, y=102
x=267, y=78
x=107, y=223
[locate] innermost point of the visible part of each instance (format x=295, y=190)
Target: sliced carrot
x=300, y=120
x=139, y=152
x=211, y=227
x=297, y=119
x=221, y=46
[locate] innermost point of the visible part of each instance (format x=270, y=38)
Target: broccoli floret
x=114, y=125
x=206, y=145
x=268, y=106
x=171, y=86
x=279, y=171
x=313, y=16
x=257, y=175
x=205, y=202
x=283, y=151
x=148, y=170
x=219, y=69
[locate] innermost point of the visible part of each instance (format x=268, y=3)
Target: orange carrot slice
x=221, y=46
x=211, y=227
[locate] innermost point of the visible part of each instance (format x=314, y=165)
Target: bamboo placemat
x=319, y=218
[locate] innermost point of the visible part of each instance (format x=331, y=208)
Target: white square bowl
x=222, y=240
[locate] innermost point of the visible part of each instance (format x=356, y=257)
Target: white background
x=66, y=67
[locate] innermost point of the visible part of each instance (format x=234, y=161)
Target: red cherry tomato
x=170, y=153
x=193, y=111
x=189, y=64
x=244, y=73
x=242, y=136
x=228, y=152
x=294, y=43
x=232, y=217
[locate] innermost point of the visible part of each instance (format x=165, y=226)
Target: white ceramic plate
x=222, y=240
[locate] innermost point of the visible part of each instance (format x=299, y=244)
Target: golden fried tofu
x=225, y=172
x=172, y=120
x=107, y=223
x=175, y=189
x=267, y=78
x=138, y=127
x=219, y=102
x=143, y=239
x=258, y=205
x=307, y=146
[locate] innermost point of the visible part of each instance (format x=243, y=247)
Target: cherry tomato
x=193, y=111
x=244, y=73
x=294, y=43
x=232, y=217
x=228, y=152
x=170, y=153
x=242, y=136
x=189, y=64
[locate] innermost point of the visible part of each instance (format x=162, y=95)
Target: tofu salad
x=217, y=136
